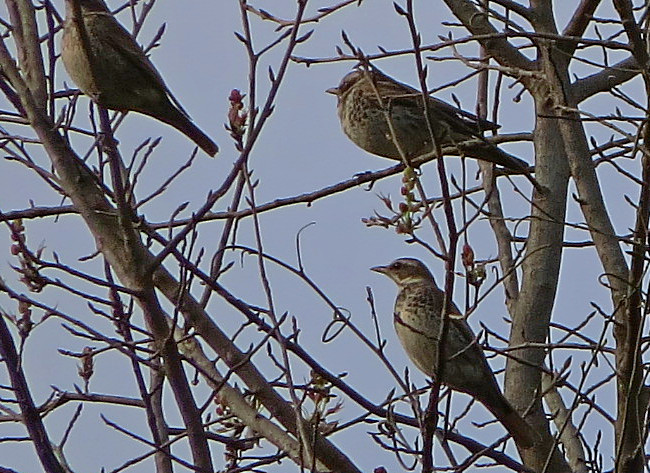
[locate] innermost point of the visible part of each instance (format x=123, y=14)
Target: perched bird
x=418, y=317
x=109, y=66
x=363, y=119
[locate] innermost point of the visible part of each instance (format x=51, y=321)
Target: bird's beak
x=333, y=91
x=380, y=269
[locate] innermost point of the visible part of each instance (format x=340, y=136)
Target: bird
x=365, y=94
x=417, y=319
x=103, y=59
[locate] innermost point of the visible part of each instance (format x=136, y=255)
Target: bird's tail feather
x=522, y=433
x=488, y=152
x=182, y=123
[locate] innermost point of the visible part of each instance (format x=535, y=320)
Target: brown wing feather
x=139, y=66
x=464, y=120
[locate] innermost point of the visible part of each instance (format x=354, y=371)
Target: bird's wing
x=126, y=46
x=457, y=318
x=459, y=116
x=459, y=119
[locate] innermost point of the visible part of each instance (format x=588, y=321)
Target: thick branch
x=29, y=48
x=579, y=22
x=604, y=80
x=498, y=47
x=31, y=416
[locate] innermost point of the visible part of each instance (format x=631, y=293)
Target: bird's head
x=405, y=271
x=346, y=83
x=373, y=81
x=359, y=74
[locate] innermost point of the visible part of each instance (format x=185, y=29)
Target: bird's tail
x=517, y=427
x=488, y=152
x=182, y=123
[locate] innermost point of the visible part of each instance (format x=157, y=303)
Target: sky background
x=300, y=150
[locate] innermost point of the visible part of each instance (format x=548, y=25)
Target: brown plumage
x=109, y=66
x=417, y=320
x=363, y=119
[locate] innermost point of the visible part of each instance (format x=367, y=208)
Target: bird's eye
x=396, y=265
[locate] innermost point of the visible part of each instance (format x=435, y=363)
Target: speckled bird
x=370, y=103
x=417, y=318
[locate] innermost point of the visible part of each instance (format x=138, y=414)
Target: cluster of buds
x=406, y=223
x=474, y=271
x=403, y=219
x=227, y=419
x=221, y=408
x=318, y=391
x=378, y=220
x=87, y=367
x=18, y=236
x=237, y=118
x=241, y=437
x=24, y=322
x=28, y=261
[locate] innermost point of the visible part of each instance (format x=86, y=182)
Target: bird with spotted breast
x=379, y=114
x=107, y=64
x=417, y=318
